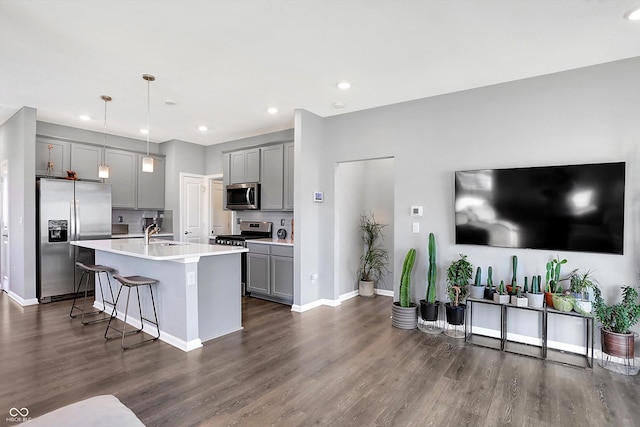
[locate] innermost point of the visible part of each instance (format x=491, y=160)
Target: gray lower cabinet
x=270, y=272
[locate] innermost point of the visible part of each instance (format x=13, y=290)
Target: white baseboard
x=348, y=295
x=23, y=302
x=384, y=292
x=152, y=330
x=525, y=339
x=317, y=303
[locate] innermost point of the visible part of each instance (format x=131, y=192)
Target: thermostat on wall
x=416, y=210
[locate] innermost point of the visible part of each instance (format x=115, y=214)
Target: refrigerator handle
x=72, y=219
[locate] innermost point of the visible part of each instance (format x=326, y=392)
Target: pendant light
x=147, y=161
x=103, y=170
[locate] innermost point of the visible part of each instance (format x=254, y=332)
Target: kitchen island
x=198, y=294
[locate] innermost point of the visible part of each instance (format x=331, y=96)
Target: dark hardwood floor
x=329, y=366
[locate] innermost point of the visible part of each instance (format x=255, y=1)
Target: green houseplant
x=458, y=275
x=429, y=306
x=404, y=313
x=375, y=259
x=579, y=285
x=617, y=339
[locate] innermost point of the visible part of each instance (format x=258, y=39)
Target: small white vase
x=519, y=302
x=501, y=299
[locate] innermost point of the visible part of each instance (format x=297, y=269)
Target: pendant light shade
x=103, y=169
x=147, y=161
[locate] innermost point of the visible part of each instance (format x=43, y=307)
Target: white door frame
x=5, y=269
x=209, y=178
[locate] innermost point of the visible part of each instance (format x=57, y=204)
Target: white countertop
x=274, y=241
x=138, y=235
x=158, y=249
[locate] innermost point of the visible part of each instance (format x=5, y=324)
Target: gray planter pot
x=476, y=292
x=365, y=288
x=404, y=317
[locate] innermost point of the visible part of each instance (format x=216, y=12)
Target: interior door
x=192, y=208
x=220, y=218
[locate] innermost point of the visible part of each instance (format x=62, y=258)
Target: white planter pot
x=476, y=292
x=519, y=302
x=365, y=288
x=502, y=299
x=583, y=305
x=535, y=300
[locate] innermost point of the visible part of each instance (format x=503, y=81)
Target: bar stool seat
x=87, y=270
x=133, y=282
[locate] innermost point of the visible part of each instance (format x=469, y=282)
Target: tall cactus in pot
x=405, y=280
x=432, y=271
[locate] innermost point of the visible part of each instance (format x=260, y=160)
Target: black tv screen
x=564, y=208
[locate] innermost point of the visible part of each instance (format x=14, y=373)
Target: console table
x=543, y=351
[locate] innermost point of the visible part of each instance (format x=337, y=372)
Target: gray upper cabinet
x=85, y=160
x=151, y=184
x=288, y=177
x=59, y=156
x=271, y=188
x=122, y=177
x=225, y=178
x=244, y=166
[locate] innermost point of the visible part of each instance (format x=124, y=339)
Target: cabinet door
x=271, y=181
x=225, y=179
x=288, y=177
x=252, y=165
x=151, y=185
x=236, y=167
x=59, y=157
x=122, y=177
x=282, y=277
x=258, y=273
x=85, y=160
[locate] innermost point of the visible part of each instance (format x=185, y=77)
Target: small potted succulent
x=489, y=289
x=501, y=296
x=535, y=295
x=519, y=300
x=477, y=290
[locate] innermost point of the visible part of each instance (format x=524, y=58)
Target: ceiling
x=224, y=62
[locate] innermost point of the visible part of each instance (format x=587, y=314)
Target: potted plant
x=579, y=285
x=374, y=261
x=518, y=299
x=404, y=313
x=617, y=339
x=458, y=276
x=535, y=295
x=429, y=305
x=514, y=281
x=563, y=301
x=553, y=280
x=489, y=290
x=501, y=295
x=477, y=290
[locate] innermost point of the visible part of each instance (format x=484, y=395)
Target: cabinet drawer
x=280, y=250
x=257, y=248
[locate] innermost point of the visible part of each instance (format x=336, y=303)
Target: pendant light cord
x=148, y=114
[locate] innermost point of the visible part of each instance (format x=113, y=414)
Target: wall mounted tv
x=564, y=208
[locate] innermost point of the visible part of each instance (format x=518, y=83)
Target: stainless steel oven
x=243, y=196
x=248, y=230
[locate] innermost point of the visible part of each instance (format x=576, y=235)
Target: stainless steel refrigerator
x=66, y=211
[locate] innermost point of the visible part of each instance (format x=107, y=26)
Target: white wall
x=581, y=116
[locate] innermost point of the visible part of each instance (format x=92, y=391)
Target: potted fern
x=404, y=313
x=374, y=261
x=458, y=275
x=617, y=339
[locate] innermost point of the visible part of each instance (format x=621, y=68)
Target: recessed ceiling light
x=85, y=117
x=344, y=85
x=144, y=131
x=339, y=105
x=203, y=128
x=633, y=14
x=272, y=110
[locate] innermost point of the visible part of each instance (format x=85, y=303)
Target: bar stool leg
x=75, y=295
x=155, y=313
x=113, y=315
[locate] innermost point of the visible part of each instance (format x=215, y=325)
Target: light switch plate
x=416, y=227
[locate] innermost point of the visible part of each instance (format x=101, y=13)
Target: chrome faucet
x=150, y=231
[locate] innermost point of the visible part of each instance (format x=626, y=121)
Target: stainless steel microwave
x=243, y=196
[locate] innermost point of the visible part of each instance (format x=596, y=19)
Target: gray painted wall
x=17, y=145
x=580, y=116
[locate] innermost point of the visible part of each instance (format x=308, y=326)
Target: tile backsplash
x=276, y=217
x=134, y=219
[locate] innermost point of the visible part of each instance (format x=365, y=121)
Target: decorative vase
x=455, y=314
x=583, y=306
x=404, y=317
x=365, y=288
x=561, y=303
x=476, y=292
x=488, y=293
x=548, y=297
x=617, y=345
x=535, y=300
x=429, y=311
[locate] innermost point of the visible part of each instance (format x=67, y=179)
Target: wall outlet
x=191, y=278
x=314, y=278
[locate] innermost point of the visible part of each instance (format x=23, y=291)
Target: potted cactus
x=489, y=290
x=514, y=281
x=477, y=290
x=458, y=276
x=535, y=295
x=501, y=296
x=429, y=305
x=404, y=313
x=519, y=299
x=374, y=261
x=553, y=280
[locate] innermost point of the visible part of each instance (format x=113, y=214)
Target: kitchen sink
x=166, y=243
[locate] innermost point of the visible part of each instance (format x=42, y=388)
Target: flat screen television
x=564, y=208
